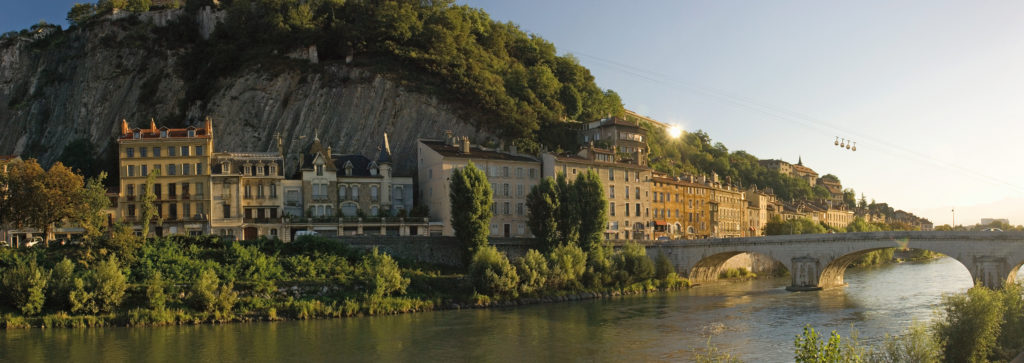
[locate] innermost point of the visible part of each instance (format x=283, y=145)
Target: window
x=259, y=191
x=144, y=170
x=507, y=208
x=638, y=209
x=199, y=150
x=627, y=192
x=186, y=169
x=156, y=190
x=191, y=133
x=373, y=193
x=504, y=171
x=200, y=169
x=494, y=189
x=273, y=169
x=248, y=170
x=136, y=134
x=156, y=169
x=342, y=190
x=611, y=174
x=259, y=170
x=199, y=190
x=156, y=152
x=163, y=133
x=172, y=190
x=355, y=192
x=172, y=211
x=519, y=190
x=637, y=193
x=273, y=190
x=184, y=151
x=129, y=152
x=131, y=210
x=627, y=209
x=172, y=151
x=505, y=189
x=186, y=210
x=533, y=173
x=519, y=173
x=142, y=152
x=319, y=170
x=130, y=190
x=611, y=191
x=519, y=209
x=374, y=211
x=131, y=170
x=611, y=208
x=248, y=191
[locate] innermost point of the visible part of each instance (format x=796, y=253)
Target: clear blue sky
x=930, y=90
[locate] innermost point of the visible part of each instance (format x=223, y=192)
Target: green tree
x=590, y=197
x=62, y=281
x=567, y=266
x=970, y=328
x=156, y=291
x=542, y=203
x=79, y=13
x=24, y=285
x=632, y=265
x=471, y=200
x=567, y=214
x=533, y=271
x=138, y=6
x=860, y=225
x=93, y=201
x=109, y=285
x=150, y=210
x=662, y=266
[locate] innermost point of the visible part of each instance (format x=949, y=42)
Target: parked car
x=33, y=241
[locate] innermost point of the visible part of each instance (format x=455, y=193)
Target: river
x=755, y=320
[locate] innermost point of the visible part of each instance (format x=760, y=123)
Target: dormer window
x=191, y=133
x=259, y=170
x=319, y=170
x=273, y=169
x=373, y=171
x=225, y=168
x=137, y=134
x=348, y=168
x=163, y=133
x=247, y=169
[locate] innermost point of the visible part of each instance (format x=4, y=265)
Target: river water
x=755, y=320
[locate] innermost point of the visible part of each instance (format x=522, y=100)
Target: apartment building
x=180, y=161
x=247, y=194
x=511, y=175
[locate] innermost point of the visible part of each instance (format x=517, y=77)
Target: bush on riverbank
x=191, y=280
x=736, y=273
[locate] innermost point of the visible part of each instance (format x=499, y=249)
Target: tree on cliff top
x=471, y=200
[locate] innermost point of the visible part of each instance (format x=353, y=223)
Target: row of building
x=248, y=195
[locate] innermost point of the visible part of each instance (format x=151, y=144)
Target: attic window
x=163, y=133
x=273, y=169
x=225, y=168
x=320, y=170
x=373, y=171
x=191, y=133
x=136, y=134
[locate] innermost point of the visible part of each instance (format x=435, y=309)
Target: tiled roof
x=475, y=152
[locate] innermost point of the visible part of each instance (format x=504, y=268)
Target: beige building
x=181, y=159
x=627, y=186
x=798, y=170
x=511, y=175
x=728, y=211
x=247, y=194
x=760, y=203
x=837, y=218
x=625, y=138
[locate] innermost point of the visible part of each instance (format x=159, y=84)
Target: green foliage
x=662, y=266
x=733, y=273
x=204, y=290
x=149, y=207
x=156, y=294
x=590, y=197
x=970, y=329
x=876, y=257
x=811, y=349
x=382, y=275
x=24, y=285
x=253, y=265
x=568, y=213
x=492, y=274
x=860, y=225
x=533, y=272
x=712, y=354
x=777, y=226
x=599, y=268
x=109, y=284
x=567, y=265
x=915, y=345
x=79, y=13
x=543, y=205
x=81, y=298
x=471, y=200
x=62, y=281
x=138, y=6
x=93, y=199
x=632, y=265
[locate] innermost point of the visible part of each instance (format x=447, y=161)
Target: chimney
x=465, y=145
x=208, y=125
x=152, y=126
x=124, y=127
x=514, y=149
x=448, y=139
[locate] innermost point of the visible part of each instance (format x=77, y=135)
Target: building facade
x=179, y=160
x=247, y=194
x=512, y=176
x=627, y=188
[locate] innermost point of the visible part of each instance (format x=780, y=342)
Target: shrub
x=568, y=262
x=204, y=290
x=382, y=275
x=971, y=325
x=109, y=285
x=156, y=296
x=492, y=274
x=62, y=281
x=81, y=299
x=599, y=268
x=253, y=265
x=632, y=265
x=533, y=271
x=662, y=266
x=24, y=284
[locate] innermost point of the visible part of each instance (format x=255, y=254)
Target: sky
x=931, y=91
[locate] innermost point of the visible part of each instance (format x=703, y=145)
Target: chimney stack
x=448, y=139
x=465, y=144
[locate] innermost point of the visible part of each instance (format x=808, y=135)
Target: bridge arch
x=709, y=268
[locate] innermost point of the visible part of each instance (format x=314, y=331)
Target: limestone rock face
x=82, y=82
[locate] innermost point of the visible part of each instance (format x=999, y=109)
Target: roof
x=360, y=164
x=804, y=169
x=152, y=132
x=475, y=152
x=581, y=160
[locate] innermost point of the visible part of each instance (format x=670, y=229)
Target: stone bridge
x=819, y=261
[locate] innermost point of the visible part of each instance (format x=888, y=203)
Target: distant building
x=247, y=194
x=682, y=206
x=987, y=221
x=835, y=189
x=626, y=139
x=798, y=170
x=728, y=210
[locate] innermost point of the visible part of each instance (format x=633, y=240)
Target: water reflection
x=754, y=319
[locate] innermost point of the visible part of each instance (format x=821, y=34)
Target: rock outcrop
x=82, y=82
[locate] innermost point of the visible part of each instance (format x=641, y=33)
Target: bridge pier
x=805, y=272
x=992, y=271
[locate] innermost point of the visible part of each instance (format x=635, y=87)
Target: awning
x=660, y=223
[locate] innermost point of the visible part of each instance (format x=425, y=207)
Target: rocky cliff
x=58, y=86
